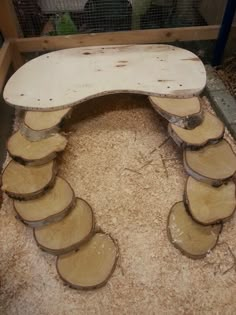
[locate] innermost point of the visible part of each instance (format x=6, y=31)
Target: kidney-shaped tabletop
x=68, y=77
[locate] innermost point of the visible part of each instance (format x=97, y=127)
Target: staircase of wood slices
x=64, y=225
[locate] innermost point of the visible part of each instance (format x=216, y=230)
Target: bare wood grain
x=5, y=61
x=48, y=43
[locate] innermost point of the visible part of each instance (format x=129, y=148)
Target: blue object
x=224, y=32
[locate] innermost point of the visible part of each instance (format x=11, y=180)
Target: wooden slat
x=5, y=61
x=9, y=24
x=17, y=58
x=47, y=43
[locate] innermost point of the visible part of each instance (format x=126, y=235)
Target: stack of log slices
x=63, y=225
x=194, y=224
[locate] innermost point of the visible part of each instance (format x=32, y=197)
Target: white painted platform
x=65, y=78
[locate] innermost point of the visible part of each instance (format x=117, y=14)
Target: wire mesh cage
x=62, y=17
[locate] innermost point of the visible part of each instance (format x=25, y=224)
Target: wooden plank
x=9, y=24
x=48, y=43
x=17, y=58
x=5, y=61
x=68, y=77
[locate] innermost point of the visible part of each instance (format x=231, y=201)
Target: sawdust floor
x=118, y=160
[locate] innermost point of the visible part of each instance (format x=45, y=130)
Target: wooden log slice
x=191, y=238
x=212, y=164
x=68, y=234
x=53, y=206
x=211, y=130
x=208, y=205
x=39, y=125
x=92, y=265
x=37, y=152
x=28, y=182
x=183, y=112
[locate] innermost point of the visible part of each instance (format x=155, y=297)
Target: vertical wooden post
x=224, y=32
x=10, y=28
x=17, y=58
x=5, y=61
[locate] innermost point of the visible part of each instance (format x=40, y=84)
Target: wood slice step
x=211, y=130
x=28, y=182
x=53, y=206
x=92, y=265
x=208, y=205
x=68, y=234
x=212, y=164
x=191, y=238
x=39, y=125
x=35, y=152
x=183, y=112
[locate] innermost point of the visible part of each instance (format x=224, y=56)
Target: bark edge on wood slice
x=40, y=152
x=185, y=112
x=101, y=253
x=211, y=130
x=209, y=205
x=202, y=239
x=213, y=164
x=28, y=182
x=38, y=125
x=68, y=234
x=53, y=206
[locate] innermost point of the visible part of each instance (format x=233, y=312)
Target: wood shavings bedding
x=120, y=161
x=227, y=73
